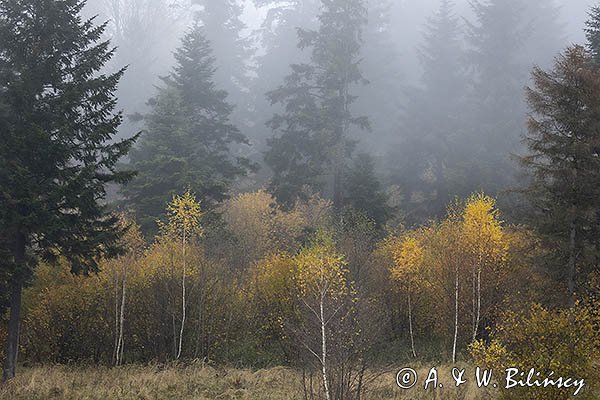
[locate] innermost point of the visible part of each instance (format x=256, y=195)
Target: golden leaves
x=183, y=216
x=321, y=269
x=408, y=256
x=482, y=231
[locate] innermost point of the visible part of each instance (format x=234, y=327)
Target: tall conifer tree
x=187, y=139
x=504, y=40
x=277, y=31
x=311, y=144
x=429, y=152
x=564, y=163
x=497, y=113
x=592, y=33
x=233, y=51
x=57, y=152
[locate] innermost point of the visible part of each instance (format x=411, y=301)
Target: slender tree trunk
x=324, y=352
x=478, y=315
x=304, y=383
x=116, y=344
x=359, y=389
x=473, y=298
x=175, y=335
x=120, y=344
x=455, y=316
x=183, y=307
x=410, y=325
x=571, y=267
x=12, y=342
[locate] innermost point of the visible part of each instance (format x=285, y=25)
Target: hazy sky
x=574, y=13
x=253, y=15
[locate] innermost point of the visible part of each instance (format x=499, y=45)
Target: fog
x=436, y=131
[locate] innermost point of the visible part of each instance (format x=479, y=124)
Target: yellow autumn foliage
x=565, y=342
x=321, y=270
x=482, y=230
x=408, y=256
x=183, y=216
x=261, y=227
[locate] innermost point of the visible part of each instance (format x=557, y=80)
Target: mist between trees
x=302, y=183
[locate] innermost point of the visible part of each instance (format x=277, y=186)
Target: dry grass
x=199, y=382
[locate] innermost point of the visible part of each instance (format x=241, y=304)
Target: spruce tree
x=383, y=67
x=428, y=157
x=496, y=113
x=564, y=164
x=504, y=41
x=311, y=144
x=275, y=35
x=223, y=27
x=187, y=138
x=592, y=33
x=56, y=149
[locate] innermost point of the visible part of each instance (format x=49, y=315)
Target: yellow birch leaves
x=184, y=215
x=408, y=256
x=482, y=231
x=321, y=269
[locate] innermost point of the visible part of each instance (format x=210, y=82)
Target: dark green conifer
x=57, y=152
x=187, y=138
x=312, y=144
x=564, y=163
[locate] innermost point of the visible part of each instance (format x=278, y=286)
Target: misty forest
x=295, y=199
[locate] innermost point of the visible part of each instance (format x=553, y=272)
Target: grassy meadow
x=199, y=382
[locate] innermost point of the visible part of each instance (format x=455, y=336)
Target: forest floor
x=202, y=382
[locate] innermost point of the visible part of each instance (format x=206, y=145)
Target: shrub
x=566, y=342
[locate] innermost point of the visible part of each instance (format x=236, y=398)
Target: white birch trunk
x=183, y=306
x=478, y=315
x=324, y=352
x=410, y=326
x=455, y=317
x=474, y=299
x=120, y=343
x=116, y=345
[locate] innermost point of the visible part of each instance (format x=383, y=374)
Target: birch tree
x=447, y=255
x=408, y=256
x=323, y=285
x=454, y=263
x=485, y=244
x=133, y=244
x=183, y=224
